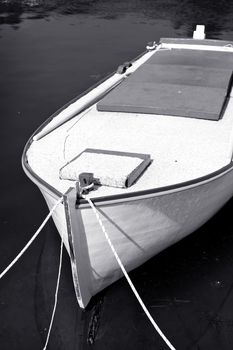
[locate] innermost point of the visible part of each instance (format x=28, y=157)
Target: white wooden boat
x=174, y=103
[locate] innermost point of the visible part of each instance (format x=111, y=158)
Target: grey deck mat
x=189, y=41
x=176, y=82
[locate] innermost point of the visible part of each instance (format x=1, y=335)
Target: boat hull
x=140, y=224
x=139, y=228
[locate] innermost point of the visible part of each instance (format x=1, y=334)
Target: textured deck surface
x=181, y=148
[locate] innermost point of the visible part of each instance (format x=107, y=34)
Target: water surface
x=50, y=51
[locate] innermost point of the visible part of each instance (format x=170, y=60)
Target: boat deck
x=182, y=149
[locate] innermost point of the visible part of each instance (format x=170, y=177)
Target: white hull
x=189, y=180
x=139, y=228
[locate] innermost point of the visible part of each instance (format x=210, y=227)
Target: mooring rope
x=60, y=266
x=127, y=276
x=59, y=269
x=32, y=239
x=55, y=296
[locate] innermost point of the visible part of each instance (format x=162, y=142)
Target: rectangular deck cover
x=109, y=168
x=177, y=82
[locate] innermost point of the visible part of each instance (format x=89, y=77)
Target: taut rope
x=31, y=240
x=127, y=276
x=59, y=270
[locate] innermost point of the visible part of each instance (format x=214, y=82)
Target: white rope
x=55, y=297
x=32, y=239
x=59, y=269
x=128, y=278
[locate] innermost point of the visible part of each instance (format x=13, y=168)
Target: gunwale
x=111, y=200
x=123, y=196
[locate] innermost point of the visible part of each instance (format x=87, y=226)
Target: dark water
x=50, y=51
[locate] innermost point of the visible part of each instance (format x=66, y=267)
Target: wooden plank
x=200, y=58
x=206, y=42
